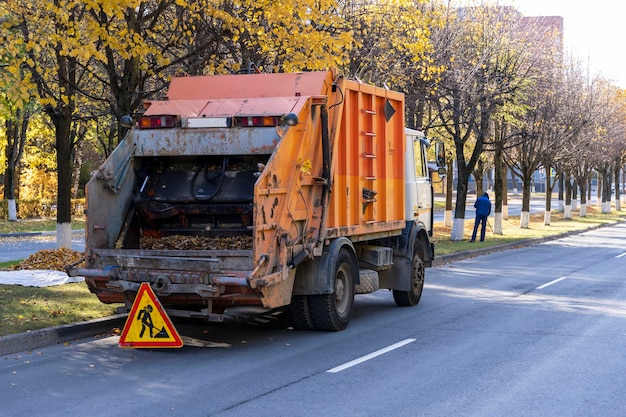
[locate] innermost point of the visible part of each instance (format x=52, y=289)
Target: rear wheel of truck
x=332, y=312
x=298, y=313
x=412, y=297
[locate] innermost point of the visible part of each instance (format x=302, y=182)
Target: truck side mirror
x=440, y=154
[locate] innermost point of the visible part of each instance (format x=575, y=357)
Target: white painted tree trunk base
x=606, y=207
x=547, y=218
x=497, y=223
x=447, y=218
x=574, y=205
x=64, y=235
x=561, y=205
x=505, y=212
x=458, y=230
x=618, y=205
x=583, y=210
x=567, y=212
x=12, y=210
x=524, y=220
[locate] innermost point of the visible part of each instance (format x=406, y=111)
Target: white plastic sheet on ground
x=37, y=278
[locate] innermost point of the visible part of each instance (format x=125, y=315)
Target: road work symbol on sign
x=148, y=325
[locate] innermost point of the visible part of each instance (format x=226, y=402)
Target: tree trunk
x=549, y=189
x=561, y=189
x=525, y=214
x=514, y=184
x=623, y=181
x=78, y=160
x=617, y=187
x=547, y=214
x=458, y=227
x=505, y=193
x=447, y=219
x=606, y=191
x=499, y=186
x=16, y=140
x=567, y=208
x=479, y=175
x=583, y=199
x=64, y=184
x=9, y=178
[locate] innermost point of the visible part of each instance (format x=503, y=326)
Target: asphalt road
x=21, y=246
x=537, y=331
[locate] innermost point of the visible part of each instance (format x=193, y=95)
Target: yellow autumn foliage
x=281, y=36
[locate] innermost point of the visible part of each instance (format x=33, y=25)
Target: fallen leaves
x=55, y=259
x=180, y=242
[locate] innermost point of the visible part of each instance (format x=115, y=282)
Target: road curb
x=59, y=334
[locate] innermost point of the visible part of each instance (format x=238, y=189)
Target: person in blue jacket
x=483, y=210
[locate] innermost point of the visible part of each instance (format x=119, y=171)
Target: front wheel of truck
x=332, y=312
x=412, y=297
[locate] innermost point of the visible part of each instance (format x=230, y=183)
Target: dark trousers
x=480, y=218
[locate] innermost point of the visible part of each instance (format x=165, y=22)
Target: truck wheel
x=412, y=297
x=332, y=312
x=298, y=313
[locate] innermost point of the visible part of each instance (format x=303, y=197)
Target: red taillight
x=155, y=122
x=257, y=121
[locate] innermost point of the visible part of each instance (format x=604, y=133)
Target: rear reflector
x=155, y=122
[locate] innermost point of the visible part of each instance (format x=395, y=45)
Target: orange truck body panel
x=368, y=155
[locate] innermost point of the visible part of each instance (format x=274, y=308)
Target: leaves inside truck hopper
x=180, y=242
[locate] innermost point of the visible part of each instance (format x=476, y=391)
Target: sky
x=594, y=31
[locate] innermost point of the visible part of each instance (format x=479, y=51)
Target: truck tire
x=298, y=313
x=412, y=297
x=332, y=312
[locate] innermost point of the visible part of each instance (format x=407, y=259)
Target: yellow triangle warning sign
x=148, y=325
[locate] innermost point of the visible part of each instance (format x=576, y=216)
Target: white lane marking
x=370, y=356
x=620, y=255
x=541, y=287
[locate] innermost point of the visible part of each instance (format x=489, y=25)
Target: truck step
x=368, y=282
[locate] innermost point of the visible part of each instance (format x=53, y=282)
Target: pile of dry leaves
x=55, y=259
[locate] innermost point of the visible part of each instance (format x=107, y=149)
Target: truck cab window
x=421, y=168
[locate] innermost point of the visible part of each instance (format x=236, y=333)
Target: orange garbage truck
x=290, y=191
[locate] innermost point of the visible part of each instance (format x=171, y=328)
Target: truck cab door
x=418, y=186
